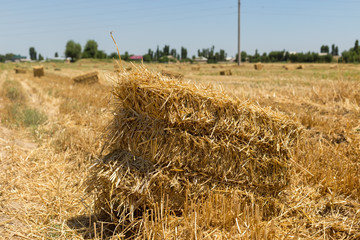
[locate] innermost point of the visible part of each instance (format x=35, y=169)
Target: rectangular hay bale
x=88, y=78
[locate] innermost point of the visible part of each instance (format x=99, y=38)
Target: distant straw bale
x=286, y=67
x=38, y=71
x=258, y=66
x=88, y=78
x=334, y=67
x=300, y=67
x=20, y=70
x=171, y=74
x=226, y=72
x=174, y=139
x=197, y=68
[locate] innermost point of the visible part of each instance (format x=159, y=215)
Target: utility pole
x=239, y=52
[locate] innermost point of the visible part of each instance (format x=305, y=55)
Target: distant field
x=51, y=133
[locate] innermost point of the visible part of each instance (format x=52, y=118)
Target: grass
x=16, y=111
x=41, y=189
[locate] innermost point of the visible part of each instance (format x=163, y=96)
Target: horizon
x=296, y=26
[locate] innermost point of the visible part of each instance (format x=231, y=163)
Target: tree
x=356, y=47
x=125, y=57
x=166, y=50
x=324, y=49
x=183, y=53
x=101, y=54
x=173, y=52
x=90, y=50
x=73, y=50
x=114, y=55
x=222, y=55
x=147, y=58
x=32, y=53
x=151, y=54
x=40, y=57
x=56, y=55
x=158, y=53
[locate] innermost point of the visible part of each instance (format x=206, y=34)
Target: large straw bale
x=38, y=71
x=88, y=78
x=258, y=66
x=187, y=140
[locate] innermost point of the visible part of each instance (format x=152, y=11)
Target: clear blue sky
x=293, y=25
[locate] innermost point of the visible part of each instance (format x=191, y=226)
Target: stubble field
x=51, y=134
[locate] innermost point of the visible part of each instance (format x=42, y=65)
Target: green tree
x=90, y=49
x=125, y=57
x=356, y=47
x=73, y=50
x=40, y=57
x=56, y=55
x=147, y=58
x=166, y=50
x=114, y=55
x=151, y=54
x=324, y=49
x=183, y=53
x=222, y=55
x=32, y=53
x=158, y=54
x=101, y=54
x=173, y=52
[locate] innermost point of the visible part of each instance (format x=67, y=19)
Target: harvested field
x=270, y=154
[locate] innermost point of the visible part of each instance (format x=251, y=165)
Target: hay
x=286, y=67
x=226, y=72
x=171, y=74
x=258, y=66
x=88, y=78
x=20, y=70
x=38, y=71
x=300, y=67
x=195, y=68
x=169, y=138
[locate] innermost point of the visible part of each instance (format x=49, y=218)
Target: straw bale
x=175, y=139
x=226, y=72
x=285, y=67
x=171, y=74
x=258, y=66
x=38, y=71
x=88, y=78
x=300, y=67
x=20, y=70
x=195, y=68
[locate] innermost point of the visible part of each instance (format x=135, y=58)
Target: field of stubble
x=50, y=134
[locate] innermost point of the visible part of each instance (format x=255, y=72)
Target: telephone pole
x=239, y=52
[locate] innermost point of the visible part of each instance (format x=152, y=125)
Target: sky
x=137, y=25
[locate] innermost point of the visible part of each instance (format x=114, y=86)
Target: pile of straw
x=258, y=66
x=175, y=140
x=88, y=78
x=38, y=71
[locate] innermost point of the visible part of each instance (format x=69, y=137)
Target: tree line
x=165, y=54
